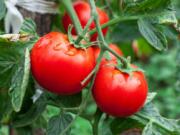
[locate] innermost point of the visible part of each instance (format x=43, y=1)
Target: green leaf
x=2, y=9
x=58, y=123
x=150, y=130
x=152, y=34
x=120, y=125
x=150, y=113
x=105, y=129
x=9, y=58
x=5, y=106
x=4, y=130
x=142, y=6
x=150, y=97
x=32, y=114
x=28, y=27
x=11, y=55
x=128, y=29
x=20, y=82
x=166, y=17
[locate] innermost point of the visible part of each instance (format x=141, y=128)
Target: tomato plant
x=73, y=82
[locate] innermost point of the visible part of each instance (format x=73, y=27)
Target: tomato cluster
x=60, y=67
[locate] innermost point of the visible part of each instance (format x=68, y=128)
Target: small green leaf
x=150, y=97
x=20, y=82
x=2, y=9
x=104, y=129
x=58, y=123
x=152, y=34
x=28, y=27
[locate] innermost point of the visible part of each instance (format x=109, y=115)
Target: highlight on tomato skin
x=83, y=11
x=119, y=94
x=58, y=66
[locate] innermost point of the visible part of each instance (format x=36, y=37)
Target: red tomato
x=83, y=11
x=117, y=93
x=112, y=46
x=58, y=66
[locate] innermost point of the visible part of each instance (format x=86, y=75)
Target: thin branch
x=73, y=15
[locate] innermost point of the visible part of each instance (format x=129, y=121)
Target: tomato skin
x=113, y=47
x=83, y=12
x=117, y=93
x=58, y=66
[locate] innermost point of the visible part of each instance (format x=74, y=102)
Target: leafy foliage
x=20, y=82
x=152, y=35
x=28, y=27
x=58, y=123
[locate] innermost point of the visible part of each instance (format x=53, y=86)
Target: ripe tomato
x=112, y=46
x=117, y=93
x=58, y=66
x=83, y=11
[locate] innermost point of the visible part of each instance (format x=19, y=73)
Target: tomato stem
x=88, y=77
x=122, y=59
x=73, y=15
x=104, y=45
x=83, y=33
x=114, y=21
x=97, y=117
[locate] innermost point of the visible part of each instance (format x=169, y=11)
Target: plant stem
x=88, y=77
x=97, y=115
x=73, y=15
x=96, y=19
x=101, y=37
x=83, y=33
x=109, y=8
x=122, y=59
x=115, y=21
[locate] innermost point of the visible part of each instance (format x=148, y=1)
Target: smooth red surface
x=83, y=12
x=58, y=66
x=119, y=94
x=112, y=46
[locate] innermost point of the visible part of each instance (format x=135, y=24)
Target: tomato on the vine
x=113, y=47
x=119, y=94
x=58, y=66
x=83, y=11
